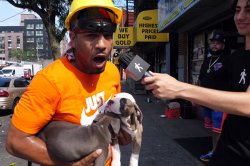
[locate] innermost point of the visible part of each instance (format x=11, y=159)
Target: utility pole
x=37, y=56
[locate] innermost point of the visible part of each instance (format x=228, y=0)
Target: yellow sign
x=147, y=28
x=124, y=37
x=116, y=60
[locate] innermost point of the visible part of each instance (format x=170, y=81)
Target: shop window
x=197, y=57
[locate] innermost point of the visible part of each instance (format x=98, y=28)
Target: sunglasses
x=94, y=20
x=95, y=26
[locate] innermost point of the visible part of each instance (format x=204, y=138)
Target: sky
x=10, y=15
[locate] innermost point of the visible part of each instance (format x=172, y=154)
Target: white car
x=1, y=73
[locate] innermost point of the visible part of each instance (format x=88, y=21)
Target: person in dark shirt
x=233, y=147
x=212, y=75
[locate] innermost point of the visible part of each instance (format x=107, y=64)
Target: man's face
x=216, y=45
x=92, y=50
x=242, y=17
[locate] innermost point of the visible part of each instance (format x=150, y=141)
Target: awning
x=202, y=12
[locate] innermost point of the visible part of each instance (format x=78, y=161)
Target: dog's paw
x=134, y=158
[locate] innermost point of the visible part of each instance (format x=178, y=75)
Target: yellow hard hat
x=78, y=5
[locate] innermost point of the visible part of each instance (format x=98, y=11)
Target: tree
x=50, y=11
x=20, y=55
x=16, y=54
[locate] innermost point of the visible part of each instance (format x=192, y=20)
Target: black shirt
x=233, y=148
x=213, y=73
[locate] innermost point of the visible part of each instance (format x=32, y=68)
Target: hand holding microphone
x=161, y=85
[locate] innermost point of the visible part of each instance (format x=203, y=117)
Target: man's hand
x=124, y=138
x=163, y=86
x=88, y=160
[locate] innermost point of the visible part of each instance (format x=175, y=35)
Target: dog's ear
x=115, y=124
x=138, y=113
x=133, y=124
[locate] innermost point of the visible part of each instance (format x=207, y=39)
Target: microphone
x=135, y=67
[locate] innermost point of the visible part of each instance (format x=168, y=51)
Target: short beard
x=218, y=52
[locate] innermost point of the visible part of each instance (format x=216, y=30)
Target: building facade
x=31, y=37
x=36, y=38
x=11, y=37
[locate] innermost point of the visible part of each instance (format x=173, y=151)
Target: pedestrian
x=72, y=88
x=233, y=147
x=212, y=75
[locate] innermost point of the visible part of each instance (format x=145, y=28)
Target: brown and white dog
x=70, y=142
x=124, y=105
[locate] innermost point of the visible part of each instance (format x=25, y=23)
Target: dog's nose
x=110, y=102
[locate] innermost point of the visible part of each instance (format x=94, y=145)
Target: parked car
x=11, y=90
x=1, y=73
x=13, y=71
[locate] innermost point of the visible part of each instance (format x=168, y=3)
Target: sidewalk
x=168, y=142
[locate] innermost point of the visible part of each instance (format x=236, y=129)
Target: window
x=30, y=26
x=39, y=33
x=39, y=46
x=9, y=38
x=39, y=26
x=18, y=42
x=1, y=39
x=5, y=82
x=30, y=40
x=9, y=44
x=21, y=83
x=39, y=40
x=30, y=33
x=2, y=46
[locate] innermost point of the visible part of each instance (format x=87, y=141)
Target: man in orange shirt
x=74, y=88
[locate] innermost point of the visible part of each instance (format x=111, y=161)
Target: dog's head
x=124, y=105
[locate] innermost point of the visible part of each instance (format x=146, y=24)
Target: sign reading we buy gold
x=145, y=30
x=124, y=37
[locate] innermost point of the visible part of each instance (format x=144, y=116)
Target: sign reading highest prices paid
x=147, y=28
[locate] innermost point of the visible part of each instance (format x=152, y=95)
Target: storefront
x=190, y=23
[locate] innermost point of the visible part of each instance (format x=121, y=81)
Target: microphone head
x=125, y=60
x=135, y=67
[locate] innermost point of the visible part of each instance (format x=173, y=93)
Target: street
x=5, y=158
x=166, y=142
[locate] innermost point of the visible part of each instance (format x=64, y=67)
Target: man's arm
x=165, y=86
x=32, y=148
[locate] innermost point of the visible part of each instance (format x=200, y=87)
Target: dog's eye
x=123, y=101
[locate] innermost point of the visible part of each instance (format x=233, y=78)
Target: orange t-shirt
x=61, y=92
